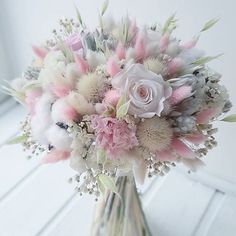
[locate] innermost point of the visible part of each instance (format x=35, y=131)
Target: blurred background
x=25, y=209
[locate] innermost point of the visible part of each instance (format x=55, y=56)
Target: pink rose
x=146, y=90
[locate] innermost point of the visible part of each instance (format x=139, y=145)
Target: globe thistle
x=155, y=134
x=92, y=87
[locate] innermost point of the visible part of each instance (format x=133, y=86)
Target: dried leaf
x=122, y=111
x=107, y=182
x=104, y=7
x=230, y=118
x=18, y=139
x=205, y=60
x=209, y=24
x=170, y=21
x=78, y=15
x=101, y=156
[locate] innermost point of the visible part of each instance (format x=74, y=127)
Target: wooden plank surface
x=177, y=206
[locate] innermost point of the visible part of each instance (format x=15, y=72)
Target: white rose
x=146, y=90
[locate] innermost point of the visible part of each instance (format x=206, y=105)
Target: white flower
x=59, y=138
x=53, y=58
x=145, y=90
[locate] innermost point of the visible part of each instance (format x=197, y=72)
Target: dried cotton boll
x=80, y=104
x=53, y=58
x=154, y=65
x=95, y=59
x=173, y=49
x=59, y=138
x=92, y=87
x=41, y=120
x=63, y=112
x=72, y=72
x=155, y=134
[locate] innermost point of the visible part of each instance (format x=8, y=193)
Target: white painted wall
x=29, y=22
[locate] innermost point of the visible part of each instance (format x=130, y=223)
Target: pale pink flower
x=73, y=42
x=113, y=135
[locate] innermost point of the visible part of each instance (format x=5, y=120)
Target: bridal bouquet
x=119, y=102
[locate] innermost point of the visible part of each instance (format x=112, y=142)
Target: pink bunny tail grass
x=60, y=90
x=112, y=67
x=40, y=51
x=179, y=94
x=82, y=64
x=174, y=66
x=196, y=139
x=120, y=51
x=133, y=27
x=164, y=41
x=182, y=149
x=165, y=155
x=139, y=48
x=69, y=114
x=206, y=115
x=190, y=44
x=112, y=97
x=55, y=156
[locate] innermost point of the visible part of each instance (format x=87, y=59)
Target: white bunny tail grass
x=155, y=134
x=92, y=87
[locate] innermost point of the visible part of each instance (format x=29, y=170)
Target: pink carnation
x=113, y=135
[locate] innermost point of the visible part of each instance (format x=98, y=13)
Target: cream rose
x=146, y=90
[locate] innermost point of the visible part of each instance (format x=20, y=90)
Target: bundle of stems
x=120, y=213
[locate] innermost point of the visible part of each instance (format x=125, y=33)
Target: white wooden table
x=38, y=200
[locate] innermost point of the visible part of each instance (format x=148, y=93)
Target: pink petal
x=55, y=156
x=112, y=97
x=165, y=155
x=120, y=51
x=196, y=138
x=182, y=149
x=139, y=48
x=179, y=94
x=69, y=114
x=206, y=115
x=82, y=64
x=112, y=67
x=39, y=51
x=164, y=41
